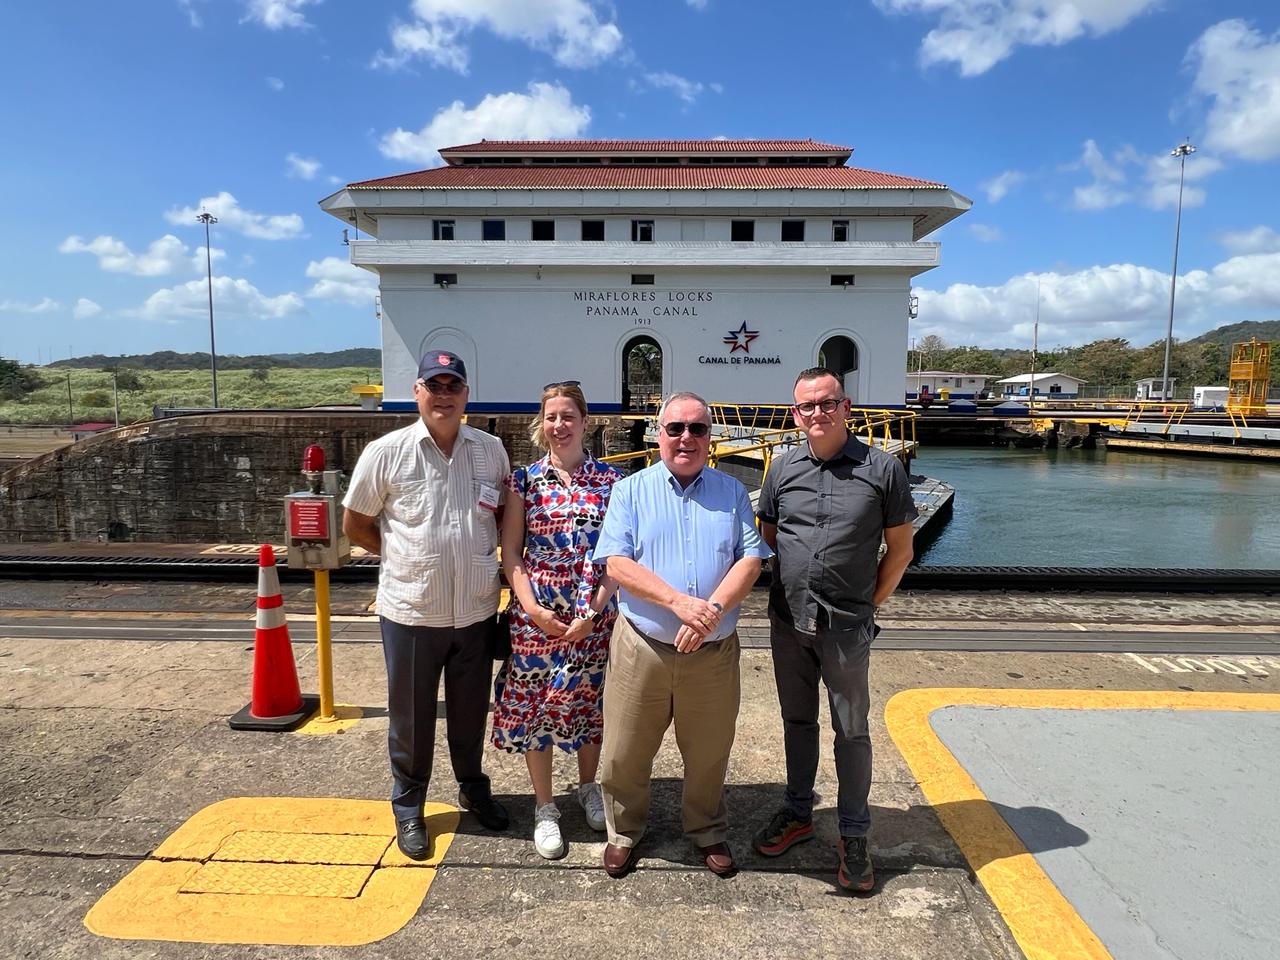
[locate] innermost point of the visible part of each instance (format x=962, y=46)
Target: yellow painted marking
x=267, y=846
x=266, y=870
x=278, y=879
x=1040, y=918
x=345, y=717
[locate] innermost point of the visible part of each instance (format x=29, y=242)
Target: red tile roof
x=645, y=178
x=677, y=147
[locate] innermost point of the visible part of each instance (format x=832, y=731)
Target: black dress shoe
x=412, y=839
x=491, y=814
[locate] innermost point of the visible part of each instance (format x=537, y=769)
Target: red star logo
x=743, y=344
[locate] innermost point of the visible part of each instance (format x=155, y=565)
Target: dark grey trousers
x=841, y=660
x=416, y=656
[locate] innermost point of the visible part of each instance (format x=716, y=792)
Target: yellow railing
x=759, y=430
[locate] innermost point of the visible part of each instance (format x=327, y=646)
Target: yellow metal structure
x=1249, y=378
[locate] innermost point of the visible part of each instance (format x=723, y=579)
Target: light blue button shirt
x=689, y=537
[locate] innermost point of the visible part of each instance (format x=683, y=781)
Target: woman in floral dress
x=548, y=692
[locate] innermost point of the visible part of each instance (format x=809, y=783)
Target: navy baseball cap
x=436, y=362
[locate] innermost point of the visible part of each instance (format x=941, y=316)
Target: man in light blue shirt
x=680, y=539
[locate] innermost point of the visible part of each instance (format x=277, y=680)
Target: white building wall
x=517, y=332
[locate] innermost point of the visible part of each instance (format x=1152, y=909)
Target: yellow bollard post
x=324, y=648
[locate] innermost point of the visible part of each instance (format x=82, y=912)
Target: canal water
x=1091, y=508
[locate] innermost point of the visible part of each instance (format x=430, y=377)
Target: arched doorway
x=840, y=355
x=641, y=374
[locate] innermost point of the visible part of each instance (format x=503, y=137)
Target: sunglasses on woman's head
x=696, y=428
x=562, y=383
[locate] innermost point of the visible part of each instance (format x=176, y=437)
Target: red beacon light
x=313, y=459
x=313, y=467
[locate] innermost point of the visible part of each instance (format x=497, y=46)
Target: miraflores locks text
x=631, y=303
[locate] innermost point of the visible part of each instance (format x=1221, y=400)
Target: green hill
x=1237, y=332
x=168, y=360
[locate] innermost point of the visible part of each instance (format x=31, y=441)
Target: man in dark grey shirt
x=824, y=508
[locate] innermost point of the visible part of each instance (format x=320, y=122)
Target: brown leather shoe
x=719, y=859
x=619, y=861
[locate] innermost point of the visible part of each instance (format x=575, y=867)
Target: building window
x=642, y=279
x=592, y=229
x=742, y=230
x=842, y=279
x=1055, y=388
x=493, y=229
x=642, y=231
x=441, y=229
x=444, y=279
x=840, y=231
x=792, y=231
x=544, y=230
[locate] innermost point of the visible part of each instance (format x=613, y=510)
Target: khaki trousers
x=650, y=684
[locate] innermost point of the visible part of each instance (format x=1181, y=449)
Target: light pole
x=208, y=218
x=1181, y=151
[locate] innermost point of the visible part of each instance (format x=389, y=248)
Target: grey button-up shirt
x=831, y=516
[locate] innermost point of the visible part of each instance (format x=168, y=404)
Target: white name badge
x=488, y=496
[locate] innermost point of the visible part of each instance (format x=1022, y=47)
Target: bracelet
x=719, y=609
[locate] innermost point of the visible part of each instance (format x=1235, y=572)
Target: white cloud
x=304, y=168
x=337, y=279
x=198, y=263
x=1159, y=177
x=998, y=187
x=236, y=298
x=546, y=111
x=985, y=233
x=572, y=31
x=162, y=257
x=686, y=90
x=84, y=309
x=193, y=15
x=47, y=305
x=1261, y=239
x=1119, y=300
x=1239, y=68
x=231, y=216
x=977, y=34
x=275, y=83
x=276, y=14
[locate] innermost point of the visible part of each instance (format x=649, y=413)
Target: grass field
x=91, y=392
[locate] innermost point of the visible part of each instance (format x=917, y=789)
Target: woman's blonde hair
x=570, y=390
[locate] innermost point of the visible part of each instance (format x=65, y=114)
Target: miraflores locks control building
x=729, y=264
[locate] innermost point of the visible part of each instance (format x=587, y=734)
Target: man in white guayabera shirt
x=425, y=499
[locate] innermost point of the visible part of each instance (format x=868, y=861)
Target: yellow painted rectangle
x=268, y=846
x=278, y=879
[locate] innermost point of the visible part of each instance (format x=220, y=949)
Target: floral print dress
x=548, y=691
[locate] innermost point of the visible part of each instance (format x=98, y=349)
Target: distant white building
x=1061, y=386
x=1210, y=398
x=959, y=386
x=732, y=264
x=1152, y=388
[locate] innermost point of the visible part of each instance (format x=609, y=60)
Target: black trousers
x=416, y=656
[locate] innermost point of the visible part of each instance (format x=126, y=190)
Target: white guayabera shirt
x=439, y=563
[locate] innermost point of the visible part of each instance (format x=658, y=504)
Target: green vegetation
x=16, y=381
x=91, y=400
x=168, y=360
x=1110, y=367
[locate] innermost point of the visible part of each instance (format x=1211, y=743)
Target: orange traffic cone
x=277, y=703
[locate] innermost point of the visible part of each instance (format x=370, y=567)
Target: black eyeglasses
x=696, y=428
x=807, y=408
x=439, y=388
x=562, y=383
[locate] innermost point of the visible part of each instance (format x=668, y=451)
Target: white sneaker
x=591, y=799
x=546, y=832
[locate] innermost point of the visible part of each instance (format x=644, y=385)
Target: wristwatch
x=719, y=609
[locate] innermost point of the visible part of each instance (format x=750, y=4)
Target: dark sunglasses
x=439, y=389
x=562, y=383
x=696, y=428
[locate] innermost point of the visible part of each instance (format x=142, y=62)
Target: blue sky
x=1056, y=118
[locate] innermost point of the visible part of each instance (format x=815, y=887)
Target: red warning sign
x=308, y=520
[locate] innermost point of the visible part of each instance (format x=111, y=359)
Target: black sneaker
x=784, y=831
x=855, y=874
x=491, y=814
